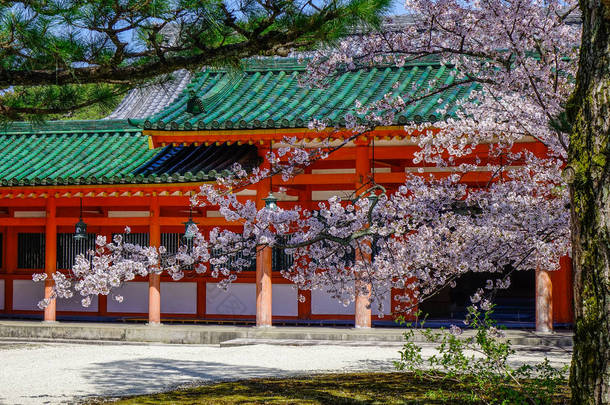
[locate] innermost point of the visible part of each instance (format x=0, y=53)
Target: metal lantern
x=189, y=234
x=270, y=201
x=80, y=229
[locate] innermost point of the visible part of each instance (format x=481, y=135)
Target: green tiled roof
x=78, y=152
x=266, y=94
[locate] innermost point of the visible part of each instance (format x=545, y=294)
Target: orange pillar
x=544, y=302
x=363, y=170
x=10, y=254
x=263, y=262
x=154, y=280
x=305, y=201
x=50, y=257
x=562, y=292
x=102, y=303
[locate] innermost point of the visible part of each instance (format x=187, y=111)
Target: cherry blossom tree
x=522, y=56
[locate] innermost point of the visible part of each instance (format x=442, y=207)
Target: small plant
x=480, y=361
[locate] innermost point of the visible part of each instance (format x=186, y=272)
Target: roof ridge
x=271, y=63
x=72, y=126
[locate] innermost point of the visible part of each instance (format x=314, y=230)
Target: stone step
x=217, y=334
x=305, y=342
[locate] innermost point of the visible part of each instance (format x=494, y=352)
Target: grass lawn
x=352, y=388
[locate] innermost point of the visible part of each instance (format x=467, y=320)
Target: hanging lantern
x=270, y=201
x=80, y=229
x=189, y=232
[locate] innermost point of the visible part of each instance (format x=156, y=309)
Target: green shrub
x=480, y=361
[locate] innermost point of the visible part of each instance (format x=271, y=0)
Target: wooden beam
x=312, y=179
x=103, y=221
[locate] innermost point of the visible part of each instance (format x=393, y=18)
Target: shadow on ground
x=119, y=378
x=369, y=365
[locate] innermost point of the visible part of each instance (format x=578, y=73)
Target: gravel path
x=44, y=373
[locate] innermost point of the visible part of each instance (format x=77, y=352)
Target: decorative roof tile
x=146, y=101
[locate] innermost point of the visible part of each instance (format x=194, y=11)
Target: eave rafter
x=109, y=191
x=160, y=138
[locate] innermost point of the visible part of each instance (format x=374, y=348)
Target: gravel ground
x=46, y=373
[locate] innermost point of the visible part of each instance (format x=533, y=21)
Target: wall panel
x=323, y=304
x=285, y=300
x=27, y=294
x=179, y=298
x=387, y=306
x=135, y=298
x=239, y=299
x=74, y=304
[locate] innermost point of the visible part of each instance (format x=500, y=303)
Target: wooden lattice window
x=171, y=242
x=30, y=250
x=138, y=238
x=68, y=248
x=279, y=258
x=142, y=239
x=251, y=260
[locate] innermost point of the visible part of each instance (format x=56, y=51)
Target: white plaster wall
x=135, y=298
x=27, y=294
x=74, y=304
x=284, y=300
x=179, y=298
x=1, y=294
x=239, y=299
x=387, y=307
x=323, y=195
x=323, y=304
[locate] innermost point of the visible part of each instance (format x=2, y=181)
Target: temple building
x=139, y=167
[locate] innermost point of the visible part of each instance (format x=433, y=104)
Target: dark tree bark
x=588, y=172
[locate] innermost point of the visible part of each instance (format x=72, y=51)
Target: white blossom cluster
x=520, y=56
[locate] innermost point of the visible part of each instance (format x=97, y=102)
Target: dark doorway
x=515, y=305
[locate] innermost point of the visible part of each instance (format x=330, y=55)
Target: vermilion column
x=544, y=302
x=306, y=201
x=10, y=255
x=50, y=260
x=154, y=280
x=263, y=263
x=363, y=170
x=562, y=292
x=102, y=303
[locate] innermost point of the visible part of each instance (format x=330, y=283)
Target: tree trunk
x=589, y=174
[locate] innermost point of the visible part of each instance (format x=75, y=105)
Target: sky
x=398, y=7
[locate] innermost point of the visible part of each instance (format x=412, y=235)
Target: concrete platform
x=217, y=334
